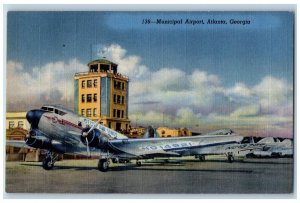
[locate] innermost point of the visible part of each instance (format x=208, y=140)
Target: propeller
x=85, y=134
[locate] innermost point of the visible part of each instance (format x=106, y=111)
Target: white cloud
x=274, y=94
x=50, y=83
x=178, y=98
x=246, y=111
x=127, y=65
x=168, y=95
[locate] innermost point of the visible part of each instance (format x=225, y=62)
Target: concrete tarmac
x=178, y=176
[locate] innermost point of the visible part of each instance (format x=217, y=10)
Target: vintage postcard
x=150, y=102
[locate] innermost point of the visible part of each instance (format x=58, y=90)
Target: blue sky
x=205, y=73
x=246, y=53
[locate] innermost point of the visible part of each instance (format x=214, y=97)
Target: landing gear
x=48, y=162
x=138, y=163
x=103, y=165
x=201, y=157
x=230, y=158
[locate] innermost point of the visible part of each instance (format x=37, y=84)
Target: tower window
x=82, y=98
x=94, y=68
x=83, y=84
x=95, y=83
x=122, y=113
x=82, y=112
x=88, y=112
x=114, y=113
x=123, y=86
x=115, y=98
x=118, y=113
x=95, y=112
x=89, y=98
x=95, y=97
x=122, y=99
x=119, y=99
x=117, y=85
x=89, y=83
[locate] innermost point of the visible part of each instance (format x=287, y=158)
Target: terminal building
x=16, y=129
x=102, y=92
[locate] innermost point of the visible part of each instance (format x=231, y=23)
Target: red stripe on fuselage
x=63, y=122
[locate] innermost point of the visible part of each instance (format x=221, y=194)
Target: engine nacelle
x=35, y=140
x=94, y=138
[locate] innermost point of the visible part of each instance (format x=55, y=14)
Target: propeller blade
x=87, y=147
x=95, y=124
x=74, y=133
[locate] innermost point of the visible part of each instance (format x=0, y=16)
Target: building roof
x=101, y=60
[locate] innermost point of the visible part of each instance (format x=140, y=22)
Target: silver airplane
x=61, y=131
x=270, y=148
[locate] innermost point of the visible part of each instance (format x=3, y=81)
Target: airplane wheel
x=48, y=163
x=201, y=157
x=138, y=163
x=103, y=165
x=230, y=158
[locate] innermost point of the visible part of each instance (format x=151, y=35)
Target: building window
x=95, y=112
x=115, y=98
x=122, y=113
x=82, y=112
x=95, y=97
x=123, y=86
x=82, y=98
x=11, y=124
x=119, y=99
x=89, y=83
x=88, y=113
x=122, y=99
x=118, y=114
x=114, y=114
x=89, y=98
x=83, y=84
x=117, y=85
x=20, y=124
x=95, y=83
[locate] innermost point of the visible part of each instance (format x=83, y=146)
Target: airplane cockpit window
x=56, y=111
x=59, y=112
x=47, y=108
x=44, y=108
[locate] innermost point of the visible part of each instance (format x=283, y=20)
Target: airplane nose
x=33, y=117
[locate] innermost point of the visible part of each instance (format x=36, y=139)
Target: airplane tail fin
x=150, y=132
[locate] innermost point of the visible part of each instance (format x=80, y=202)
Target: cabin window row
x=88, y=112
x=89, y=83
x=89, y=98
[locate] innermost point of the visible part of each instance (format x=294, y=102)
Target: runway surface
x=189, y=176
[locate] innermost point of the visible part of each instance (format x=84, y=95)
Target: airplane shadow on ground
x=132, y=167
x=252, y=161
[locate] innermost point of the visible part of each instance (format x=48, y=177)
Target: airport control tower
x=102, y=92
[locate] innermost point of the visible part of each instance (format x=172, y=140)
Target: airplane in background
x=58, y=130
x=271, y=148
